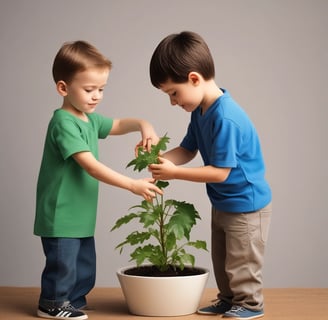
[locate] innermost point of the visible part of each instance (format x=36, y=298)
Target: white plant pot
x=162, y=296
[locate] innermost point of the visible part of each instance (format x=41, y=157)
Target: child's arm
x=99, y=171
x=179, y=155
x=169, y=168
x=148, y=134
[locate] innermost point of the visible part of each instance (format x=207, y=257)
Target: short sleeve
x=68, y=138
x=226, y=138
x=103, y=124
x=189, y=142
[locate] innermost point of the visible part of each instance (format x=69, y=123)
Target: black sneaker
x=66, y=311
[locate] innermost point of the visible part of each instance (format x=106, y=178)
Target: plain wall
x=270, y=54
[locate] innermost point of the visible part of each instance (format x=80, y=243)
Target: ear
x=194, y=78
x=62, y=88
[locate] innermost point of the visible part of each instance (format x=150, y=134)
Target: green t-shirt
x=67, y=196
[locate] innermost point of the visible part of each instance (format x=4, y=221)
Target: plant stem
x=161, y=228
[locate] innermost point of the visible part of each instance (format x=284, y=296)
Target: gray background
x=270, y=54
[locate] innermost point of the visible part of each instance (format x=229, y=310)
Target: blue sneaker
x=219, y=307
x=238, y=312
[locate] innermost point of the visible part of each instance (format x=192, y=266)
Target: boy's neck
x=78, y=114
x=211, y=94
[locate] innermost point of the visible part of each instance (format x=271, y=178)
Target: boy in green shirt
x=67, y=190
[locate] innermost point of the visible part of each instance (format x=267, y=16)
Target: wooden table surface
x=108, y=303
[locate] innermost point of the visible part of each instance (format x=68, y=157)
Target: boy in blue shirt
x=67, y=190
x=234, y=170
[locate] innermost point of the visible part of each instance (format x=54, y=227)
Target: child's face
x=85, y=91
x=187, y=95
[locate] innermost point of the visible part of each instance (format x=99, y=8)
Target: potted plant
x=164, y=281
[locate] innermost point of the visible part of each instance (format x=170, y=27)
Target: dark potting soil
x=152, y=271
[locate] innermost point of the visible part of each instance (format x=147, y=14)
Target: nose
x=173, y=101
x=97, y=95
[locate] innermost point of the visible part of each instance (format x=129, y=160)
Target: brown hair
x=75, y=57
x=179, y=54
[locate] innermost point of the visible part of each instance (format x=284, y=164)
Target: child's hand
x=146, y=188
x=165, y=170
x=146, y=144
x=149, y=138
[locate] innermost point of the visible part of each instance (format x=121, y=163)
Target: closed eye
x=90, y=90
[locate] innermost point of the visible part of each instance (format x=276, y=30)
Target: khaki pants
x=238, y=243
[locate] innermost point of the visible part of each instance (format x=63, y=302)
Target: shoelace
x=67, y=307
x=237, y=309
x=216, y=302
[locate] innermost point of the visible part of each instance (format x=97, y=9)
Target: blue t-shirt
x=226, y=137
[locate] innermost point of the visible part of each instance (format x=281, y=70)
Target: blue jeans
x=70, y=271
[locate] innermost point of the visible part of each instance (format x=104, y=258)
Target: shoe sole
x=208, y=313
x=243, y=318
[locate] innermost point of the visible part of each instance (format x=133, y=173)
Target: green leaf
x=136, y=237
x=145, y=205
x=162, y=184
x=149, y=218
x=124, y=220
x=186, y=259
x=199, y=244
x=161, y=145
x=149, y=253
x=145, y=158
x=183, y=219
x=171, y=241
